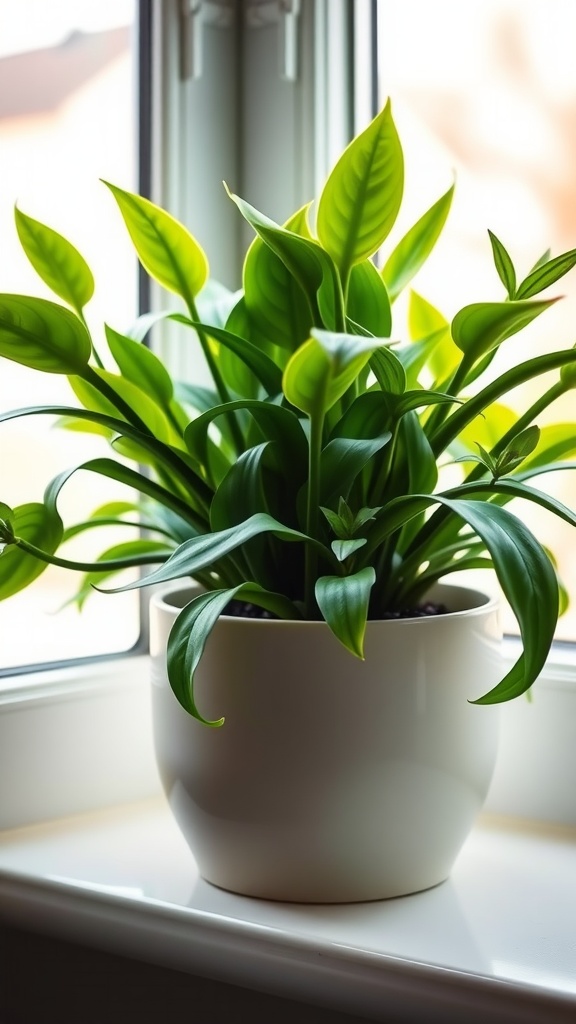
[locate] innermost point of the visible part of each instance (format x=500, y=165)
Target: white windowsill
x=496, y=942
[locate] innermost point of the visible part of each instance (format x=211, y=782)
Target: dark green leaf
x=343, y=601
x=37, y=525
x=264, y=369
x=504, y=266
x=546, y=274
x=342, y=460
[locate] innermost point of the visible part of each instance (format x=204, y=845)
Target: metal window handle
x=194, y=14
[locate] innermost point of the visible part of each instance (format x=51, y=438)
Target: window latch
x=194, y=14
x=261, y=13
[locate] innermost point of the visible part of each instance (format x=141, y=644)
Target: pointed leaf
x=56, y=261
x=504, y=266
x=42, y=335
x=388, y=371
x=344, y=548
x=361, y=198
x=264, y=369
x=483, y=326
x=546, y=274
x=368, y=302
x=165, y=248
x=343, y=601
x=415, y=247
x=342, y=460
x=322, y=369
x=140, y=366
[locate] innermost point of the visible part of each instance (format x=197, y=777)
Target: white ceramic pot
x=332, y=779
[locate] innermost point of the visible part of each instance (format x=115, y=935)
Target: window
x=67, y=118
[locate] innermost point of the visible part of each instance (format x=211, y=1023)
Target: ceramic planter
x=332, y=779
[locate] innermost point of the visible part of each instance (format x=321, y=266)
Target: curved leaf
x=343, y=601
x=342, y=460
x=322, y=369
x=368, y=302
x=192, y=628
x=276, y=422
x=165, y=248
x=361, y=198
x=41, y=527
x=546, y=274
x=125, y=550
x=140, y=366
x=204, y=551
x=264, y=368
x=42, y=335
x=56, y=261
x=504, y=266
x=415, y=247
x=482, y=326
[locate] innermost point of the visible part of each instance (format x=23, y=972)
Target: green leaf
x=546, y=274
x=343, y=601
x=204, y=551
x=125, y=551
x=368, y=303
x=6, y=524
x=415, y=247
x=241, y=492
x=264, y=368
x=388, y=371
x=56, y=261
x=323, y=369
x=278, y=308
x=135, y=397
x=568, y=374
x=192, y=628
x=37, y=525
x=504, y=266
x=140, y=366
x=481, y=327
x=307, y=262
x=361, y=198
x=42, y=335
x=165, y=248
x=529, y=584
x=522, y=445
x=342, y=460
x=344, y=548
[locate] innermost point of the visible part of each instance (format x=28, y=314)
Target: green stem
x=104, y=566
x=219, y=383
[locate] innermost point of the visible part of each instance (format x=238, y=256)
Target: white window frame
x=76, y=738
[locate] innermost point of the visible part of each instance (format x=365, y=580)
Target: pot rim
x=175, y=596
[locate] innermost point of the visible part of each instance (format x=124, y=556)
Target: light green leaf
x=481, y=327
x=323, y=369
x=368, y=303
x=165, y=248
x=361, y=199
x=343, y=601
x=138, y=400
x=415, y=247
x=42, y=335
x=56, y=261
x=37, y=525
x=140, y=366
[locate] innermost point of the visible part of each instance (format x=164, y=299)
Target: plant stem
x=112, y=564
x=219, y=384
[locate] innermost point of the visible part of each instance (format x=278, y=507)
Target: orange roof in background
x=60, y=70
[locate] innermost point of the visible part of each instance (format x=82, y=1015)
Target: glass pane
x=486, y=90
x=67, y=119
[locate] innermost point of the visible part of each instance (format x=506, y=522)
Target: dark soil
x=245, y=610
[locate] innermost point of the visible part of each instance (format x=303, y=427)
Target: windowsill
x=494, y=942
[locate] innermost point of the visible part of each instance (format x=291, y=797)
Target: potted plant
x=305, y=494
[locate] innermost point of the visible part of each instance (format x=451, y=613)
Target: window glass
x=67, y=119
x=486, y=90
